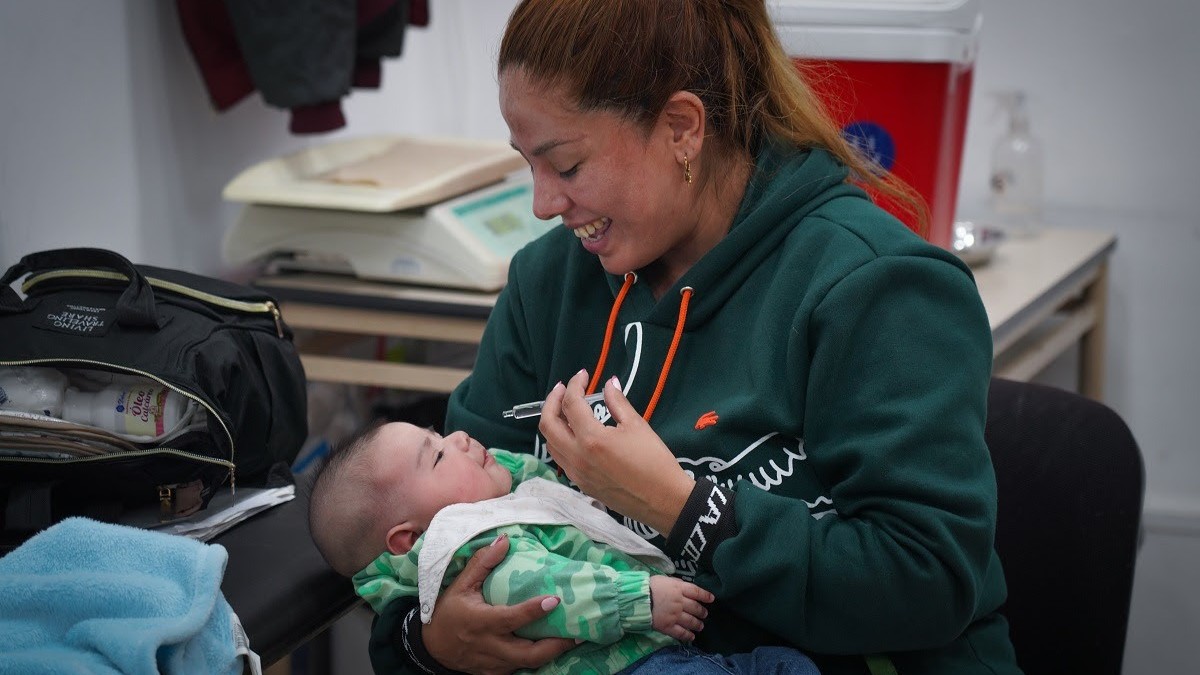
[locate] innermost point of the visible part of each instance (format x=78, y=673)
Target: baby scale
x=433, y=212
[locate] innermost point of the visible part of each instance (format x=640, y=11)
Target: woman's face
x=618, y=189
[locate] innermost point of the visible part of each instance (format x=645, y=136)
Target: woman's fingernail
x=614, y=382
x=497, y=540
x=549, y=603
x=578, y=641
x=559, y=387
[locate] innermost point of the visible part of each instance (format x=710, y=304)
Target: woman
x=794, y=382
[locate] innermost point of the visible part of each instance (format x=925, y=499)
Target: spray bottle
x=1016, y=181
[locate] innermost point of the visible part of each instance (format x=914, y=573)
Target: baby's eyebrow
x=426, y=445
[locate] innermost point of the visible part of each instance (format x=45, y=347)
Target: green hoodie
x=832, y=377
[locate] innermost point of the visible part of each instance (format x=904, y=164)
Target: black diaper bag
x=137, y=342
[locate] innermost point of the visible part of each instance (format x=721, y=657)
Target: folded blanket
x=89, y=597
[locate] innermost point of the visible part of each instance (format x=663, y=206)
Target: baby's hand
x=677, y=609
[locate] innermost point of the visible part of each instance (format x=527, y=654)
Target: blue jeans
x=687, y=660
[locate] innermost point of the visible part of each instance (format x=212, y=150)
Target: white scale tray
x=418, y=171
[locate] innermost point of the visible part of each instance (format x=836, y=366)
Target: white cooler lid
x=879, y=30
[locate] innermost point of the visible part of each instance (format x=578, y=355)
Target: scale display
x=503, y=221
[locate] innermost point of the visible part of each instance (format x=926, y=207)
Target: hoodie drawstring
x=630, y=280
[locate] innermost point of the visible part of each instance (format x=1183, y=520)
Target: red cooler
x=896, y=75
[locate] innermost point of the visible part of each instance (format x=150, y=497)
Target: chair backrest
x=1071, y=485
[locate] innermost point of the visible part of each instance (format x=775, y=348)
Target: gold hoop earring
x=687, y=170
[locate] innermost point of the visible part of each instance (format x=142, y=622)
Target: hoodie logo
x=707, y=420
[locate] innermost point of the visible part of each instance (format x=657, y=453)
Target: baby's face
x=435, y=472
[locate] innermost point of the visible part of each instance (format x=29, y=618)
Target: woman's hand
x=467, y=634
x=627, y=467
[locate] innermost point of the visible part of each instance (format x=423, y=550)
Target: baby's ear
x=402, y=537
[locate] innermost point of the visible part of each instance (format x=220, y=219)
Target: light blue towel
x=89, y=597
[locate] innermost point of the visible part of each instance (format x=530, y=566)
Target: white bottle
x=32, y=389
x=142, y=409
x=1016, y=180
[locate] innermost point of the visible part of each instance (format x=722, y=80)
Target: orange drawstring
x=686, y=292
x=630, y=279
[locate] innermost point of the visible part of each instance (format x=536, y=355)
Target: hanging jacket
x=302, y=55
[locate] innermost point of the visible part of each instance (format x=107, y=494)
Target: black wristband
x=706, y=521
x=409, y=643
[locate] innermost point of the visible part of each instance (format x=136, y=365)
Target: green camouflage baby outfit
x=561, y=543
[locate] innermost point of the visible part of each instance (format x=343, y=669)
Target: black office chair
x=1071, y=483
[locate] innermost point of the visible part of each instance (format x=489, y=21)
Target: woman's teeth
x=585, y=231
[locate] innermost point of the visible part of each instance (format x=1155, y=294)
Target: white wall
x=1113, y=99
x=107, y=138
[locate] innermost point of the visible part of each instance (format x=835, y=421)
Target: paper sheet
x=223, y=512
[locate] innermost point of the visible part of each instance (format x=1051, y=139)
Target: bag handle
x=135, y=307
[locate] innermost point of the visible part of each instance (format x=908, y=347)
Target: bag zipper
x=229, y=464
x=246, y=306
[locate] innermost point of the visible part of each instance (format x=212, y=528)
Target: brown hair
x=341, y=512
x=629, y=56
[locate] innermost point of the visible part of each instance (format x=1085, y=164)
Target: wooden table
x=1043, y=295
x=336, y=307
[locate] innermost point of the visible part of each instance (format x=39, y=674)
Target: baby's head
x=380, y=489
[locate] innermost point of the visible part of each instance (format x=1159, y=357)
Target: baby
x=401, y=509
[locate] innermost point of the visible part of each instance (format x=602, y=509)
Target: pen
x=534, y=409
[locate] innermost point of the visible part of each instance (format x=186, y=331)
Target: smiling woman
x=785, y=414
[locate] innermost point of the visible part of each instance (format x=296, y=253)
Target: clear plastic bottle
x=32, y=389
x=147, y=409
x=1016, y=180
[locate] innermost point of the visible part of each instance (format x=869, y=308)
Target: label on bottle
x=139, y=410
x=1001, y=178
